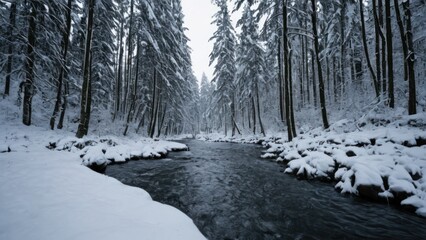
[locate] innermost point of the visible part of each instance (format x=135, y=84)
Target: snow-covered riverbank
x=380, y=158
x=47, y=194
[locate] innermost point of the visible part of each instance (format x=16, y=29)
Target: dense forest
x=291, y=64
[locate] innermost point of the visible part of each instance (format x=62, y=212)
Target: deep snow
x=47, y=194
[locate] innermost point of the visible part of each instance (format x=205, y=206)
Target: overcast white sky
x=198, y=18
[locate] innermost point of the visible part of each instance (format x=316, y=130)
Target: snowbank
x=381, y=160
x=47, y=194
x=98, y=152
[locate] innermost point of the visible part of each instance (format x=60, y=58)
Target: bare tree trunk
x=128, y=70
x=254, y=114
x=367, y=55
x=65, y=43
x=383, y=43
x=262, y=129
x=12, y=18
x=163, y=116
x=403, y=38
x=64, y=106
x=287, y=73
x=410, y=60
x=314, y=81
x=119, y=77
x=320, y=79
x=153, y=106
x=281, y=82
x=389, y=48
x=342, y=62
x=377, y=32
x=29, y=65
x=86, y=88
x=135, y=88
x=290, y=75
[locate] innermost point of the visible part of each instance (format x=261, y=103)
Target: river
x=231, y=193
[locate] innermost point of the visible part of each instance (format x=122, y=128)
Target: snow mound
x=380, y=158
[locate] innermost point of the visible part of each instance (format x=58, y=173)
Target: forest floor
x=380, y=157
x=50, y=194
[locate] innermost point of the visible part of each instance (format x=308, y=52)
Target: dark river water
x=231, y=193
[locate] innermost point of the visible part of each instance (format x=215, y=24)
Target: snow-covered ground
x=50, y=194
x=381, y=157
x=376, y=158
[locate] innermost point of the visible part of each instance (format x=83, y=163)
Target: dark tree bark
x=314, y=80
x=320, y=78
x=410, y=60
x=254, y=114
x=342, y=60
x=28, y=85
x=129, y=58
x=377, y=32
x=119, y=77
x=154, y=106
x=86, y=87
x=12, y=18
x=281, y=82
x=367, y=55
x=135, y=89
x=262, y=129
x=383, y=43
x=389, y=52
x=287, y=75
x=64, y=106
x=163, y=116
x=62, y=70
x=403, y=38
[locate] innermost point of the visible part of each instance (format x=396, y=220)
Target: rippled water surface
x=231, y=193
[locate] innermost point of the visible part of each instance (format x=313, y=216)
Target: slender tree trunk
x=86, y=88
x=335, y=89
x=377, y=32
x=64, y=105
x=119, y=77
x=163, y=116
x=290, y=76
x=367, y=55
x=135, y=88
x=403, y=38
x=281, y=82
x=254, y=114
x=262, y=129
x=62, y=70
x=308, y=79
x=225, y=120
x=233, y=114
x=383, y=47
x=302, y=73
x=342, y=62
x=29, y=65
x=153, y=105
x=389, y=48
x=12, y=18
x=287, y=73
x=410, y=60
x=320, y=79
x=314, y=81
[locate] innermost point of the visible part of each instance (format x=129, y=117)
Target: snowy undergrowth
x=380, y=157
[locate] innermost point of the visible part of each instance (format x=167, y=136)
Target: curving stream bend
x=231, y=193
